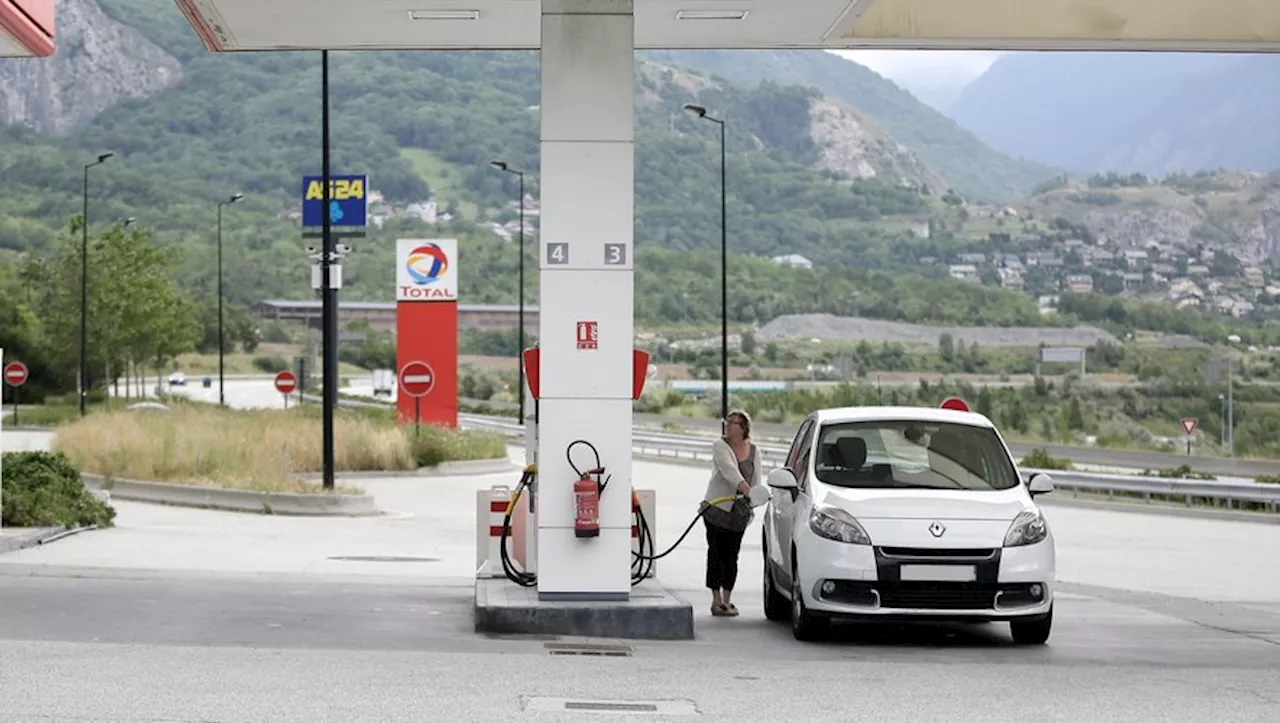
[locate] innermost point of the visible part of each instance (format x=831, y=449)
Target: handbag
x=735, y=519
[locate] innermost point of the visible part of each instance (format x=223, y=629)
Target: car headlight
x=834, y=523
x=1028, y=528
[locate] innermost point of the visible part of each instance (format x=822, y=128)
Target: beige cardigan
x=725, y=475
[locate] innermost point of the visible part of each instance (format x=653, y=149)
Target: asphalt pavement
x=200, y=615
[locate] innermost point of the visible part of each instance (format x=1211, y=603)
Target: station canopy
x=1204, y=25
x=26, y=28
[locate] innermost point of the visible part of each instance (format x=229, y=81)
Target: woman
x=735, y=470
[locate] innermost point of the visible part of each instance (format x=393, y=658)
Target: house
x=1079, y=283
x=1197, y=270
x=965, y=272
x=1133, y=280
x=1011, y=279
x=1136, y=257
x=795, y=261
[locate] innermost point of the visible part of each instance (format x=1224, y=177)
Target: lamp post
x=235, y=197
x=502, y=166
x=84, y=286
x=701, y=112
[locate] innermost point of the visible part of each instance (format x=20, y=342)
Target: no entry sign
x=15, y=374
x=286, y=382
x=417, y=379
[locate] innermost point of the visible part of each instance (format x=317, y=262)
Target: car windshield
x=913, y=454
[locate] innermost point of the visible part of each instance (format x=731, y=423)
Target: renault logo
x=937, y=528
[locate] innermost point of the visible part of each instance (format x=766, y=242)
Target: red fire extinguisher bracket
x=532, y=365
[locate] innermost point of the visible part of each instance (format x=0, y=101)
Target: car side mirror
x=782, y=479
x=1039, y=484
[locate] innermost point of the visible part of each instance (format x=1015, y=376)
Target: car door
x=779, y=505
x=785, y=512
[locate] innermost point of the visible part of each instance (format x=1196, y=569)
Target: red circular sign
x=286, y=382
x=15, y=374
x=417, y=379
x=956, y=404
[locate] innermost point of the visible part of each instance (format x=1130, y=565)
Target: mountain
x=973, y=168
x=809, y=174
x=1154, y=113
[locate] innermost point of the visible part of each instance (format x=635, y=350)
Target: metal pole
x=520, y=334
x=328, y=292
x=84, y=295
x=724, y=289
x=1231, y=406
x=222, y=399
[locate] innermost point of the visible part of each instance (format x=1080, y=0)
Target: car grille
x=937, y=595
x=938, y=553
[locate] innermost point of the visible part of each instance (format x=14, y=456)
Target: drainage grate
x=617, y=651
x=610, y=707
x=382, y=558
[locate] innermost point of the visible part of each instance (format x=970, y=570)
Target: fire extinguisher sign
x=588, y=334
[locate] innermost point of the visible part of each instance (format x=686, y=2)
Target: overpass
x=26, y=28
x=587, y=158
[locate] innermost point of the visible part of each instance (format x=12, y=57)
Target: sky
x=934, y=76
x=919, y=64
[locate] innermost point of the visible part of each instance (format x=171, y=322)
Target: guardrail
x=1230, y=494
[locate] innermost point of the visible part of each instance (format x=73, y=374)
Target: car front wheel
x=805, y=626
x=1032, y=632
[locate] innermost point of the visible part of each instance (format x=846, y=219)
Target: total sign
x=427, y=269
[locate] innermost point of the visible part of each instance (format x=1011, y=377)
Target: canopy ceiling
x=232, y=25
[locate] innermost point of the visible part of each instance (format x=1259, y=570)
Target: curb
x=275, y=503
x=29, y=538
x=497, y=465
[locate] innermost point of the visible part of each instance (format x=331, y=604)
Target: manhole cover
x=382, y=558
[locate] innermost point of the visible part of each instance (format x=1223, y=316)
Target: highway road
x=1117, y=459
x=198, y=615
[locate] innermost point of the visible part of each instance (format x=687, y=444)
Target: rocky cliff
x=98, y=63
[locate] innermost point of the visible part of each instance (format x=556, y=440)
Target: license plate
x=938, y=573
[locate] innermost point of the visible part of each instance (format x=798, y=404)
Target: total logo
x=427, y=269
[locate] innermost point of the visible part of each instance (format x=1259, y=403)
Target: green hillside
x=417, y=123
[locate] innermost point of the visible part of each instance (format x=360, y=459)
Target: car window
x=906, y=454
x=799, y=443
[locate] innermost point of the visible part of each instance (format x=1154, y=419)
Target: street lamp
x=502, y=166
x=222, y=400
x=701, y=112
x=84, y=285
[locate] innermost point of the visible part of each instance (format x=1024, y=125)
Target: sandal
x=720, y=610
x=731, y=610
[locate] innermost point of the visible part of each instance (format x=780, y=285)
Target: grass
x=259, y=450
x=446, y=180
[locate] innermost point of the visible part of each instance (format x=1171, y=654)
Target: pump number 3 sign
x=588, y=335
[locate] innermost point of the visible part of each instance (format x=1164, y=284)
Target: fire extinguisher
x=586, y=494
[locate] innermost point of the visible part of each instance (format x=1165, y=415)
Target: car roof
x=896, y=414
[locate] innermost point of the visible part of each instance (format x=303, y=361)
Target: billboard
x=1062, y=355
x=426, y=269
x=348, y=202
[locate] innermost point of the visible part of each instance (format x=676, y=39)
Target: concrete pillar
x=585, y=260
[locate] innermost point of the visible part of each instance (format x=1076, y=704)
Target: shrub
x=271, y=364
x=435, y=444
x=1039, y=458
x=42, y=489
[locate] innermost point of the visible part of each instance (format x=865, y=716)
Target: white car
x=893, y=513
x=177, y=379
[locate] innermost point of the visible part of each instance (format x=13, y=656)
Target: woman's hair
x=743, y=417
